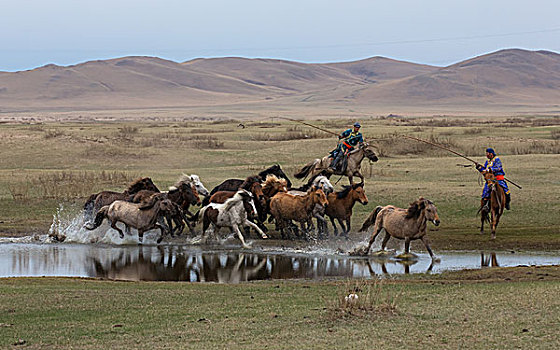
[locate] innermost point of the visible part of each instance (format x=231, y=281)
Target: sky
x=437, y=32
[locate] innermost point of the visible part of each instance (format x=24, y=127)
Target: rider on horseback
x=494, y=165
x=348, y=140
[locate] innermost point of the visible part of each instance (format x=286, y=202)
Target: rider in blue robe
x=494, y=165
x=349, y=139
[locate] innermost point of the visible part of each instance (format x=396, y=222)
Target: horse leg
x=334, y=226
x=236, y=229
x=373, y=237
x=407, y=245
x=495, y=221
x=426, y=242
x=351, y=179
x=162, y=230
x=385, y=240
x=348, y=228
x=256, y=227
x=140, y=236
x=360, y=176
x=344, y=230
x=114, y=225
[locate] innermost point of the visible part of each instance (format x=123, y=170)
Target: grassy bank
x=489, y=308
x=46, y=165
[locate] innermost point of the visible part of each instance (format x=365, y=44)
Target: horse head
x=323, y=183
x=248, y=204
x=319, y=197
x=369, y=152
x=426, y=207
x=190, y=194
x=359, y=193
x=198, y=185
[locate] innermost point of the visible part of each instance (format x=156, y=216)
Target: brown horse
x=354, y=165
x=408, y=224
x=184, y=195
x=341, y=204
x=285, y=207
x=98, y=200
x=495, y=206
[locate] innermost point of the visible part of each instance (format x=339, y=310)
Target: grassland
x=48, y=164
x=500, y=308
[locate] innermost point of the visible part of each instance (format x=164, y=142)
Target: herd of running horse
x=264, y=197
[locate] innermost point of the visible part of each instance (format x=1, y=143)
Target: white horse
x=320, y=181
x=191, y=180
x=232, y=213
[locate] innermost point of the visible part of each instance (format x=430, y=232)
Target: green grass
x=492, y=308
x=32, y=153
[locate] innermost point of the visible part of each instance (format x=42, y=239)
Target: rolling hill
x=510, y=78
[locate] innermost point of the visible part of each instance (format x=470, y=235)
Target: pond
x=229, y=264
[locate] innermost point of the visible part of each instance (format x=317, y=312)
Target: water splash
x=68, y=226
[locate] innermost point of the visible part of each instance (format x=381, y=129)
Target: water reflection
x=202, y=264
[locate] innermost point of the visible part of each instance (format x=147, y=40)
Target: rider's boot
x=335, y=161
x=508, y=199
x=486, y=205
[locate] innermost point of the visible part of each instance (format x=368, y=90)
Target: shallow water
x=229, y=264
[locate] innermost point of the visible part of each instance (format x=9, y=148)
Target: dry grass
x=66, y=185
x=363, y=299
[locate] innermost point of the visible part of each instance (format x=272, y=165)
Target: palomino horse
x=355, y=158
x=496, y=206
x=408, y=224
x=341, y=204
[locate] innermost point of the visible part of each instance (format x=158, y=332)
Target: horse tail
x=371, y=219
x=304, y=172
x=101, y=214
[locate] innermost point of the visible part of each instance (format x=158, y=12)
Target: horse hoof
x=406, y=256
x=436, y=259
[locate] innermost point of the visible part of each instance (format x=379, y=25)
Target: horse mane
x=139, y=184
x=269, y=170
x=344, y=192
x=183, y=179
x=416, y=207
x=151, y=201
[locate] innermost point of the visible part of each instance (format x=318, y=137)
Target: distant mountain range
x=506, y=79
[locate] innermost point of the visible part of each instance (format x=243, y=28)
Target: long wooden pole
x=310, y=125
x=456, y=153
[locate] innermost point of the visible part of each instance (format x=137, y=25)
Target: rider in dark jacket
x=349, y=139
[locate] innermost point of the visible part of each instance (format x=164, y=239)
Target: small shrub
x=53, y=133
x=362, y=299
x=208, y=143
x=555, y=134
x=472, y=131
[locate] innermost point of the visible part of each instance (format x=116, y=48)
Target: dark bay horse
x=354, y=165
x=341, y=204
x=100, y=199
x=495, y=208
x=235, y=184
x=408, y=224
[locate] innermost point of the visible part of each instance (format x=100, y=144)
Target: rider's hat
x=357, y=125
x=490, y=150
